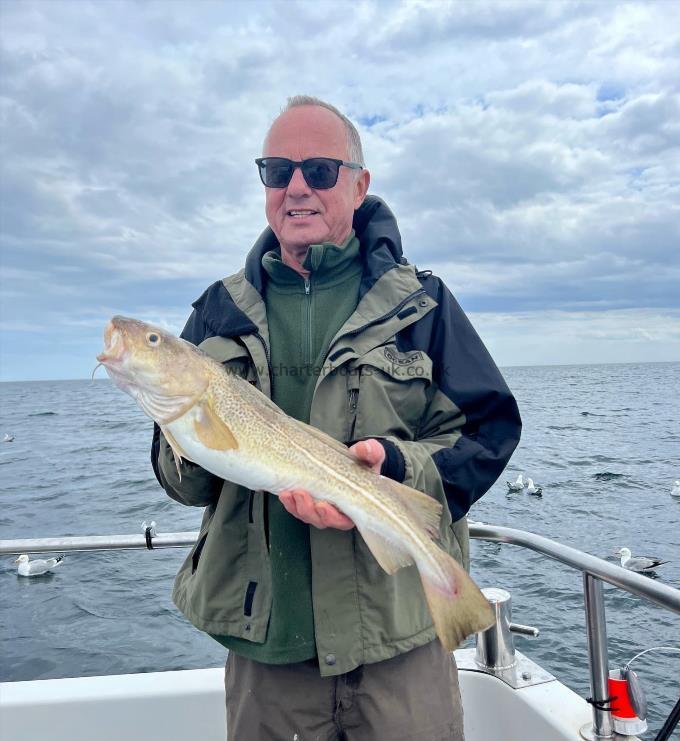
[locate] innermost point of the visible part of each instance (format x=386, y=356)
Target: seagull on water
x=36, y=568
x=518, y=484
x=640, y=564
x=537, y=491
x=675, y=491
x=9, y=438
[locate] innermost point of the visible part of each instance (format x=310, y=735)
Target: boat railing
x=595, y=571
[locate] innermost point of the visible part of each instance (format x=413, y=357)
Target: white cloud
x=531, y=151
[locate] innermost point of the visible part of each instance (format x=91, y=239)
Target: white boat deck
x=175, y=706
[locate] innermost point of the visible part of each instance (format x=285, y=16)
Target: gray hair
x=354, y=150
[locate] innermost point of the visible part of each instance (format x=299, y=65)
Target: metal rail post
x=598, y=660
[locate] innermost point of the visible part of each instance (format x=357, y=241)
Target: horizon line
x=500, y=367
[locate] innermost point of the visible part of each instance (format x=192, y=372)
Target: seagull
x=537, y=491
x=9, y=438
x=36, y=568
x=518, y=485
x=640, y=564
x=675, y=491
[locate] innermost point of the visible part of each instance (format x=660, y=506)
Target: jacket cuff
x=394, y=465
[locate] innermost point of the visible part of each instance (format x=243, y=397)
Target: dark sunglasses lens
x=320, y=172
x=276, y=172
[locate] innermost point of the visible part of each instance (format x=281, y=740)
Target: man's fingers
x=306, y=509
x=332, y=517
x=288, y=501
x=370, y=452
x=300, y=504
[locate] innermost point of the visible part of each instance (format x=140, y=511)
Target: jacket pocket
x=202, y=537
x=391, y=392
x=196, y=553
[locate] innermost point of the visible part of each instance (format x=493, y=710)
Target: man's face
x=299, y=215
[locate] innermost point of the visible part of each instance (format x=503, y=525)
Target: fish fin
x=423, y=509
x=386, y=553
x=176, y=448
x=458, y=610
x=211, y=430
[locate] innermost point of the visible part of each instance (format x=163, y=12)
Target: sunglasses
x=319, y=173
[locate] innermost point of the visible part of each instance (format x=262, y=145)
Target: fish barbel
x=221, y=422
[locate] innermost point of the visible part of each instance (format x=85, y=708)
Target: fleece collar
x=223, y=306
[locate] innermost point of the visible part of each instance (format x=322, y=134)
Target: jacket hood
x=380, y=246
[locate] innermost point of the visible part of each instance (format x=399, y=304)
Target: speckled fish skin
x=221, y=422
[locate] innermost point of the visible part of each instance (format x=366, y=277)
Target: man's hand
x=322, y=514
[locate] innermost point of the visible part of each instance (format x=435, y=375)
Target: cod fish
x=221, y=422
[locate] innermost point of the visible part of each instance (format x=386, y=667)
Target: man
x=329, y=319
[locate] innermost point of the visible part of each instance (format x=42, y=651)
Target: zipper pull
x=308, y=285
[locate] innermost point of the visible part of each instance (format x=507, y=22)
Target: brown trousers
x=411, y=697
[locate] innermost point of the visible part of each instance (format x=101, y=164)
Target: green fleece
x=303, y=315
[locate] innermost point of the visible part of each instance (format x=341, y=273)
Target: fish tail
x=457, y=605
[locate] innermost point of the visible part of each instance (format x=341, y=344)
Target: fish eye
x=152, y=338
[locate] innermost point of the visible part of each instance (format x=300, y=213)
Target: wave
x=43, y=414
x=88, y=611
x=607, y=476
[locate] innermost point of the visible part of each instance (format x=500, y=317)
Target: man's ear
x=361, y=187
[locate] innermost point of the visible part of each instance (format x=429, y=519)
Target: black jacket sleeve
x=468, y=376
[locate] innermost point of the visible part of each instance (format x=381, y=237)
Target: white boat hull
x=179, y=705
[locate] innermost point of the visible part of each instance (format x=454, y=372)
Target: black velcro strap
x=147, y=537
x=407, y=312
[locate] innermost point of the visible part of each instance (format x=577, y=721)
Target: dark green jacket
x=407, y=367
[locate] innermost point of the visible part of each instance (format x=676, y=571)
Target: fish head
x=163, y=373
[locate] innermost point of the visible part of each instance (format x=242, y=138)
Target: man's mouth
x=300, y=213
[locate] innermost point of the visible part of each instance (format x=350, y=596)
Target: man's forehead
x=307, y=128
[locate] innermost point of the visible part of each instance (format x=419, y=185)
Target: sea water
x=602, y=440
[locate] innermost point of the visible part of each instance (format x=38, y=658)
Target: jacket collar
x=235, y=306
x=375, y=227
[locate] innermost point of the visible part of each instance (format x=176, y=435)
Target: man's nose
x=298, y=185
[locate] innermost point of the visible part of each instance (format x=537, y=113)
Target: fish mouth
x=114, y=345
x=113, y=356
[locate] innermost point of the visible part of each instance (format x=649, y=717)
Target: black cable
x=602, y=704
x=670, y=724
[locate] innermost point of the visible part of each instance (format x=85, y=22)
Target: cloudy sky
x=530, y=150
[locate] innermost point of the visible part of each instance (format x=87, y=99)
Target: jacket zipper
x=266, y=354
x=265, y=503
x=307, y=330
x=353, y=399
